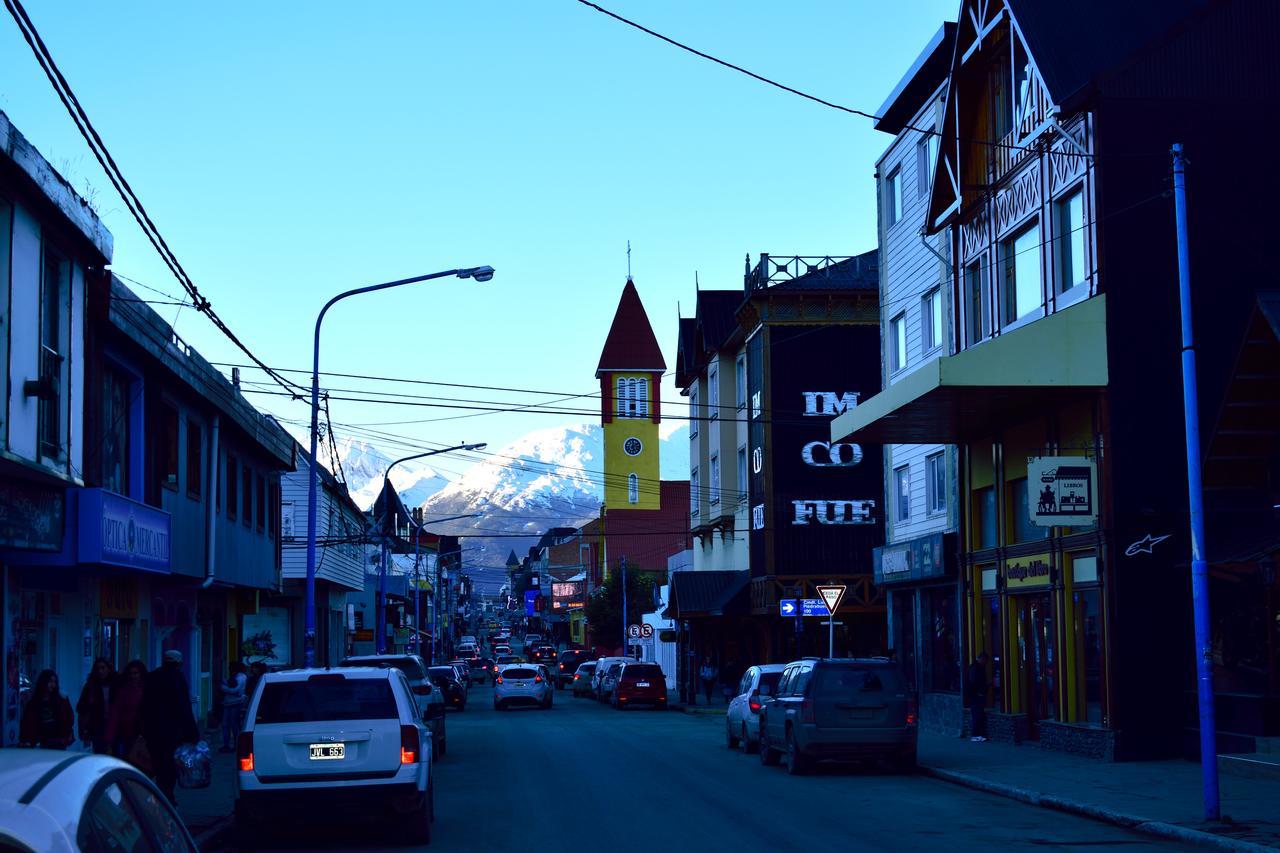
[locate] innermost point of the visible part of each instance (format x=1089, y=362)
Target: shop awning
x=953, y=398
x=718, y=593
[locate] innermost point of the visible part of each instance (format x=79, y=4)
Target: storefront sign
x=1062, y=491
x=919, y=559
x=121, y=532
x=118, y=598
x=1020, y=572
x=31, y=516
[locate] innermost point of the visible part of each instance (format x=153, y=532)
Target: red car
x=640, y=684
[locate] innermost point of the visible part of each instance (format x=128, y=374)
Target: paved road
x=585, y=777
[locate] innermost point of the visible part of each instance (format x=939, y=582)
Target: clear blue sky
x=292, y=150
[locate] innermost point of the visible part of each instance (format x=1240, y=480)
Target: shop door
x=1036, y=659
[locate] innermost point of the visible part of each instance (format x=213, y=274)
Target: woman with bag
x=124, y=717
x=95, y=698
x=47, y=721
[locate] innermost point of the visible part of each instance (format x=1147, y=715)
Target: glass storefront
x=940, y=611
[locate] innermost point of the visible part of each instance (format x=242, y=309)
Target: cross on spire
x=628, y=260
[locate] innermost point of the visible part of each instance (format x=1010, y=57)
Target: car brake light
x=408, y=744
x=753, y=702
x=806, y=711
x=498, y=680
x=912, y=709
x=576, y=676
x=537, y=679
x=244, y=752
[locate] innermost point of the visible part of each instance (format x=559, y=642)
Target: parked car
x=446, y=678
x=463, y=668
x=324, y=742
x=522, y=684
x=742, y=719
x=481, y=668
x=582, y=679
x=430, y=699
x=467, y=651
x=544, y=654
x=67, y=801
x=566, y=665
x=639, y=683
x=602, y=669
x=604, y=690
x=839, y=708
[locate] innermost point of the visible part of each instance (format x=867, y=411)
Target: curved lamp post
x=309, y=638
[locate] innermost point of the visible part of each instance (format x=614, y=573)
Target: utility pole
x=1199, y=567
x=626, y=650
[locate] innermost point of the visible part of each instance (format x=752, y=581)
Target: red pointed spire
x=631, y=345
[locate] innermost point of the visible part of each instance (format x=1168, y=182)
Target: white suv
x=522, y=684
x=430, y=698
x=319, y=743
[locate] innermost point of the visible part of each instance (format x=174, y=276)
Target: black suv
x=567, y=665
x=839, y=708
x=446, y=678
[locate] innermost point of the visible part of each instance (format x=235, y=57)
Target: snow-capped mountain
x=363, y=465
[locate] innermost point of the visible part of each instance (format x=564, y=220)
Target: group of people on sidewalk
x=138, y=716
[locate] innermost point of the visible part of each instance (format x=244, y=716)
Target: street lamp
x=484, y=273
x=380, y=639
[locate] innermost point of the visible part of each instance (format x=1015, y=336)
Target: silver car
x=742, y=720
x=608, y=681
x=522, y=684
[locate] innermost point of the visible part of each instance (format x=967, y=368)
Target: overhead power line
x=100, y=152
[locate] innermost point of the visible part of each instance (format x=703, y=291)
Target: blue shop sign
x=122, y=532
x=920, y=559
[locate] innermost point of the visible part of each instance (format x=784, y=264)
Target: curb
x=1138, y=824
x=214, y=832
x=699, y=711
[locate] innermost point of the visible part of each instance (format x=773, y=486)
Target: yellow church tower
x=630, y=374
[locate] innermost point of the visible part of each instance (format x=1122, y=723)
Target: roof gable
x=631, y=344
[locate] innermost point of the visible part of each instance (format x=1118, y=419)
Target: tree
x=604, y=606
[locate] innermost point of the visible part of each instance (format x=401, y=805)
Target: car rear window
x=325, y=698
x=770, y=680
x=851, y=680
x=518, y=673
x=411, y=668
x=586, y=668
x=445, y=672
x=642, y=671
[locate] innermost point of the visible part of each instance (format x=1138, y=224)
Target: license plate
x=642, y=684
x=328, y=751
x=862, y=713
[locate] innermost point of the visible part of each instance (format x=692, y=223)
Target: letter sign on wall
x=824, y=454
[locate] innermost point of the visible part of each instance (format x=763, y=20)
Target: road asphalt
x=582, y=776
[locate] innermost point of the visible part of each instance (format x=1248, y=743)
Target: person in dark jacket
x=167, y=721
x=976, y=697
x=124, y=717
x=47, y=721
x=95, y=699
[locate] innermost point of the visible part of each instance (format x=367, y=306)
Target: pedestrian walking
x=975, y=683
x=47, y=721
x=707, y=674
x=233, y=702
x=95, y=699
x=167, y=721
x=124, y=716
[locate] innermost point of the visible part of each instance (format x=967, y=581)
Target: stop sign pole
x=831, y=596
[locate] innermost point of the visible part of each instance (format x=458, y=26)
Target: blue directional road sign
x=813, y=607
x=787, y=607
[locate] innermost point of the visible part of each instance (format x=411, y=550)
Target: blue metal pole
x=1199, y=567
x=380, y=606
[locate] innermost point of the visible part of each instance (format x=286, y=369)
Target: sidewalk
x=1160, y=797
x=207, y=811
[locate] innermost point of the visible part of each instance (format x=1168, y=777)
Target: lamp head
x=478, y=273
x=481, y=446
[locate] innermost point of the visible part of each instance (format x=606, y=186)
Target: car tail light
x=806, y=710
x=753, y=702
x=498, y=680
x=422, y=689
x=244, y=752
x=576, y=676
x=912, y=709
x=537, y=679
x=408, y=744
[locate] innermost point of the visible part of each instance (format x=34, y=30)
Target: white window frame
x=633, y=489
x=713, y=393
x=932, y=329
x=693, y=411
x=893, y=197
x=740, y=380
x=694, y=501
x=935, y=483
x=715, y=479
x=742, y=474
x=901, y=493
x=978, y=267
x=926, y=156
x=1066, y=234
x=898, y=343
x=1009, y=256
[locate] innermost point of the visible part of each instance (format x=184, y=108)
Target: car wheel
x=797, y=762
x=730, y=740
x=768, y=757
x=747, y=746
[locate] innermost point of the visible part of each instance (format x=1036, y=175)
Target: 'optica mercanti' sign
x=122, y=532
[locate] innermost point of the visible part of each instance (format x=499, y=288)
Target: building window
x=1020, y=275
x=262, y=502
x=740, y=381
x=898, y=343
x=693, y=412
x=233, y=486
x=1070, y=221
x=641, y=398
x=926, y=156
x=941, y=620
x=167, y=448
x=195, y=466
x=931, y=319
x=742, y=473
x=1023, y=529
x=55, y=293
x=694, y=497
x=633, y=398
x=715, y=479
x=713, y=394
x=985, y=529
x=935, y=482
x=902, y=493
x=246, y=497
x=977, y=303
x=893, y=198
x=633, y=489
x=116, y=429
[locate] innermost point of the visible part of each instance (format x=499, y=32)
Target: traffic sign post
x=633, y=632
x=831, y=596
x=813, y=607
x=646, y=631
